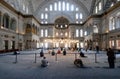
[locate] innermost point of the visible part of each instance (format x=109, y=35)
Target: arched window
x=68, y=7
x=77, y=9
x=13, y=24
x=81, y=33
x=77, y=33
x=112, y=4
x=46, y=16
x=57, y=34
x=59, y=5
x=27, y=11
x=85, y=33
x=51, y=7
x=66, y=34
x=95, y=29
x=55, y=6
x=111, y=23
x=41, y=32
x=81, y=44
x=63, y=6
x=23, y=7
x=96, y=9
x=81, y=16
x=46, y=45
x=72, y=7
x=46, y=9
x=76, y=16
x=100, y=6
x=6, y=20
x=42, y=16
x=118, y=20
x=46, y=33
x=77, y=22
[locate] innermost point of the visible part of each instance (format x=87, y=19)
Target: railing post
x=16, y=58
x=95, y=57
x=56, y=57
x=35, y=57
x=75, y=55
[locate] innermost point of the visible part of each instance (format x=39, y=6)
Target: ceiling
x=39, y=3
x=35, y=7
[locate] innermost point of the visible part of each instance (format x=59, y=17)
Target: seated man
x=53, y=53
x=78, y=63
x=64, y=52
x=82, y=54
x=44, y=62
x=41, y=53
x=16, y=52
x=58, y=51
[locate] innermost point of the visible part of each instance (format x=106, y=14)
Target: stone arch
x=65, y=15
x=118, y=20
x=61, y=20
x=95, y=28
x=28, y=28
x=111, y=23
x=13, y=24
x=48, y=2
x=82, y=9
x=6, y=20
x=61, y=23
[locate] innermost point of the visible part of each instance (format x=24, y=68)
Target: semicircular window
x=61, y=23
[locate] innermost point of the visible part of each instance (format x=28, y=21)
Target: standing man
x=111, y=58
x=97, y=49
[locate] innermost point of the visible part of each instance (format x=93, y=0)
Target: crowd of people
x=109, y=52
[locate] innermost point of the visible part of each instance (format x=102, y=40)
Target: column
x=0, y=19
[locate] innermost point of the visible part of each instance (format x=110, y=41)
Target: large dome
x=45, y=10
